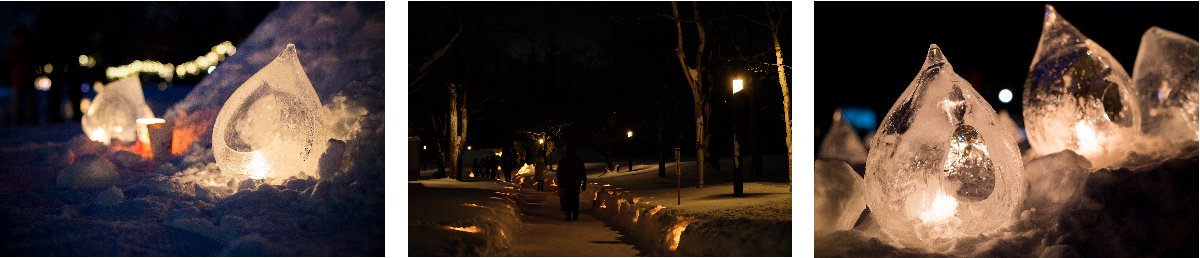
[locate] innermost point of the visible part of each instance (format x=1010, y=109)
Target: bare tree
x=773, y=24
x=700, y=93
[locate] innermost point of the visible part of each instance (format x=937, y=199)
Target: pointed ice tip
x=934, y=55
x=289, y=51
x=1051, y=15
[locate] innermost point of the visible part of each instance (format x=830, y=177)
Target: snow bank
x=339, y=44
x=1072, y=211
x=709, y=223
x=456, y=218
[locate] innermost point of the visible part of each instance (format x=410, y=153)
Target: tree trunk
x=457, y=135
x=699, y=93
x=787, y=95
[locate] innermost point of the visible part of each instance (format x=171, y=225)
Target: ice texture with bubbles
x=941, y=165
x=1077, y=96
x=114, y=112
x=1165, y=79
x=271, y=127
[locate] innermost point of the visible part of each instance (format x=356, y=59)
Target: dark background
x=866, y=54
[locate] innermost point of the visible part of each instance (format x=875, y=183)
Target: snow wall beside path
x=339, y=44
x=667, y=232
x=452, y=218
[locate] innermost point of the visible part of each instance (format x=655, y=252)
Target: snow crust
x=110, y=203
x=1072, y=211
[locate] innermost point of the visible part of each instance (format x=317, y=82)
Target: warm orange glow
x=144, y=134
x=602, y=206
x=471, y=229
x=737, y=86
x=676, y=231
x=190, y=128
x=471, y=205
x=655, y=210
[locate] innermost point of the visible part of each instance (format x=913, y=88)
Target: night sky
x=866, y=54
x=592, y=63
x=117, y=33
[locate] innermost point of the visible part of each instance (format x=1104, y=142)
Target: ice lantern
x=114, y=112
x=1165, y=79
x=940, y=166
x=271, y=126
x=1077, y=96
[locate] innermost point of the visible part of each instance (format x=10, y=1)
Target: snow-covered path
x=546, y=233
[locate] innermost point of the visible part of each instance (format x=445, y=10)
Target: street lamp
x=630, y=136
x=468, y=147
x=737, y=153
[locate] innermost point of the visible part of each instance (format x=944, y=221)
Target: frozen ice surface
x=114, y=112
x=1077, y=96
x=1165, y=80
x=941, y=166
x=272, y=125
x=842, y=142
x=1011, y=125
x=838, y=196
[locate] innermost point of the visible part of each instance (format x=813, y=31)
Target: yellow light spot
x=471, y=205
x=676, y=231
x=258, y=166
x=100, y=136
x=471, y=229
x=943, y=207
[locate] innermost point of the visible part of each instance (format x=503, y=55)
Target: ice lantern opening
x=114, y=112
x=271, y=127
x=1077, y=96
x=940, y=166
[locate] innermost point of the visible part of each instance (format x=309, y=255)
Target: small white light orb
x=1005, y=95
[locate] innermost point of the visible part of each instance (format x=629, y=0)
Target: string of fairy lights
x=202, y=64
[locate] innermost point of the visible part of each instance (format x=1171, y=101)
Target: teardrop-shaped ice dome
x=941, y=167
x=1077, y=96
x=271, y=127
x=1165, y=79
x=114, y=112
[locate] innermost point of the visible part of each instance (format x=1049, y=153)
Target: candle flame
x=258, y=166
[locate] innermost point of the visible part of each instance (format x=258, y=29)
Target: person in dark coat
x=571, y=179
x=507, y=165
x=475, y=166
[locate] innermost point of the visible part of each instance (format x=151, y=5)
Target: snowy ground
x=635, y=213
x=1070, y=210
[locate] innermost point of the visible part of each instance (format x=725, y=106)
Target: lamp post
x=737, y=155
x=630, y=136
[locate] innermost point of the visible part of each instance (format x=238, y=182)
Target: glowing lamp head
x=468, y=147
x=541, y=141
x=424, y=147
x=737, y=86
x=1005, y=95
x=629, y=134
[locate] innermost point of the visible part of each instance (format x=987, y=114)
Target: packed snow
x=81, y=197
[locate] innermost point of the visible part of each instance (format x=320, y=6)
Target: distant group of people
x=572, y=175
x=491, y=167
